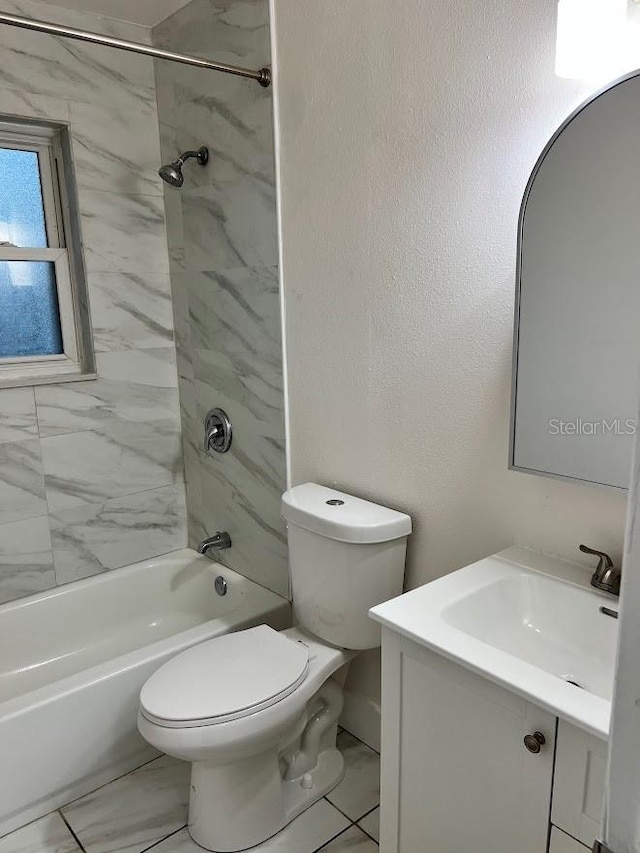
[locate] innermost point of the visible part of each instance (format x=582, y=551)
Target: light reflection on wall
x=597, y=40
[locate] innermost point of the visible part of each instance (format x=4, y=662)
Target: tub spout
x=218, y=542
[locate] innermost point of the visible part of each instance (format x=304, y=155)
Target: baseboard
x=361, y=717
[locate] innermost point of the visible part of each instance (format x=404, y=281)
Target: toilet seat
x=224, y=679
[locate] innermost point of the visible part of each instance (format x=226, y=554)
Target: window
x=43, y=331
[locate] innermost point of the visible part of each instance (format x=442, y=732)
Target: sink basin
x=550, y=624
x=526, y=621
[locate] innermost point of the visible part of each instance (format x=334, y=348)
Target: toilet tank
x=345, y=556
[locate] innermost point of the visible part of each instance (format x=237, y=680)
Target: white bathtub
x=73, y=660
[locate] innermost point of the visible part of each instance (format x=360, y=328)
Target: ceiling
x=145, y=12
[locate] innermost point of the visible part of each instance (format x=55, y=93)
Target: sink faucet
x=606, y=577
x=218, y=542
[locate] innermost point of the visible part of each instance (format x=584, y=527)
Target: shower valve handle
x=217, y=432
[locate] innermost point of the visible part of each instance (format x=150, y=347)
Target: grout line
x=155, y=843
x=100, y=787
x=17, y=829
x=366, y=814
x=70, y=828
x=333, y=838
x=355, y=737
x=348, y=817
x=364, y=831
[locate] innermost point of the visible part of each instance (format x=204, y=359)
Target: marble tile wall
x=225, y=281
x=91, y=473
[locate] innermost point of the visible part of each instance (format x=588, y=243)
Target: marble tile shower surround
x=225, y=282
x=91, y=473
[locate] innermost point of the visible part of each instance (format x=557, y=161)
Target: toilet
x=256, y=711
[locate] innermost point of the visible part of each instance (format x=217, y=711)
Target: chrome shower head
x=172, y=172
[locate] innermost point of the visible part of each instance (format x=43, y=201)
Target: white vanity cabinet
x=560, y=842
x=457, y=775
x=578, y=790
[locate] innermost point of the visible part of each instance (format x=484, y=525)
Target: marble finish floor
x=147, y=810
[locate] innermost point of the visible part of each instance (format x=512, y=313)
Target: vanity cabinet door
x=578, y=792
x=456, y=775
x=563, y=843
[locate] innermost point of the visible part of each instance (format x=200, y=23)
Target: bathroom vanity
x=488, y=744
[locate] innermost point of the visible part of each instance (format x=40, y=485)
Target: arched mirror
x=577, y=323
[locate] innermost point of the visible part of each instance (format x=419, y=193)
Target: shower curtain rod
x=262, y=76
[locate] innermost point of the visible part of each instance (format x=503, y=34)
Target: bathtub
x=73, y=660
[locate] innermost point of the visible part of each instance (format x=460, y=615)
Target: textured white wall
x=407, y=134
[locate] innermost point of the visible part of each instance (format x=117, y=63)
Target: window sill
x=49, y=379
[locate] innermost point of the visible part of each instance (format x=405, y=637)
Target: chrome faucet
x=218, y=542
x=606, y=577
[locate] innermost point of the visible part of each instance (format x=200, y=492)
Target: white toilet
x=256, y=711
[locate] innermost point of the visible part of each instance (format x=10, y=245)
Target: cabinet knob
x=535, y=741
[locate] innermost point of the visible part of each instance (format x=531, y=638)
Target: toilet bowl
x=256, y=711
x=239, y=791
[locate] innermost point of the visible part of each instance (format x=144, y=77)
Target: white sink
x=526, y=621
x=550, y=624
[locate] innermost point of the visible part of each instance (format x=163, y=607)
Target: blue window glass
x=29, y=318
x=22, y=220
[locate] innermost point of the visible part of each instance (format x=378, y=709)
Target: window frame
x=46, y=140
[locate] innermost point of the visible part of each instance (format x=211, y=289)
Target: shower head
x=172, y=172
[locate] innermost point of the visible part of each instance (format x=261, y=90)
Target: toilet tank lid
x=342, y=517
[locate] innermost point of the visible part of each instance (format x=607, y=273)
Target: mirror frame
x=516, y=317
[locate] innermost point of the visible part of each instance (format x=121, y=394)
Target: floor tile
x=133, y=812
x=50, y=834
x=351, y=841
x=371, y=824
x=305, y=834
x=359, y=791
